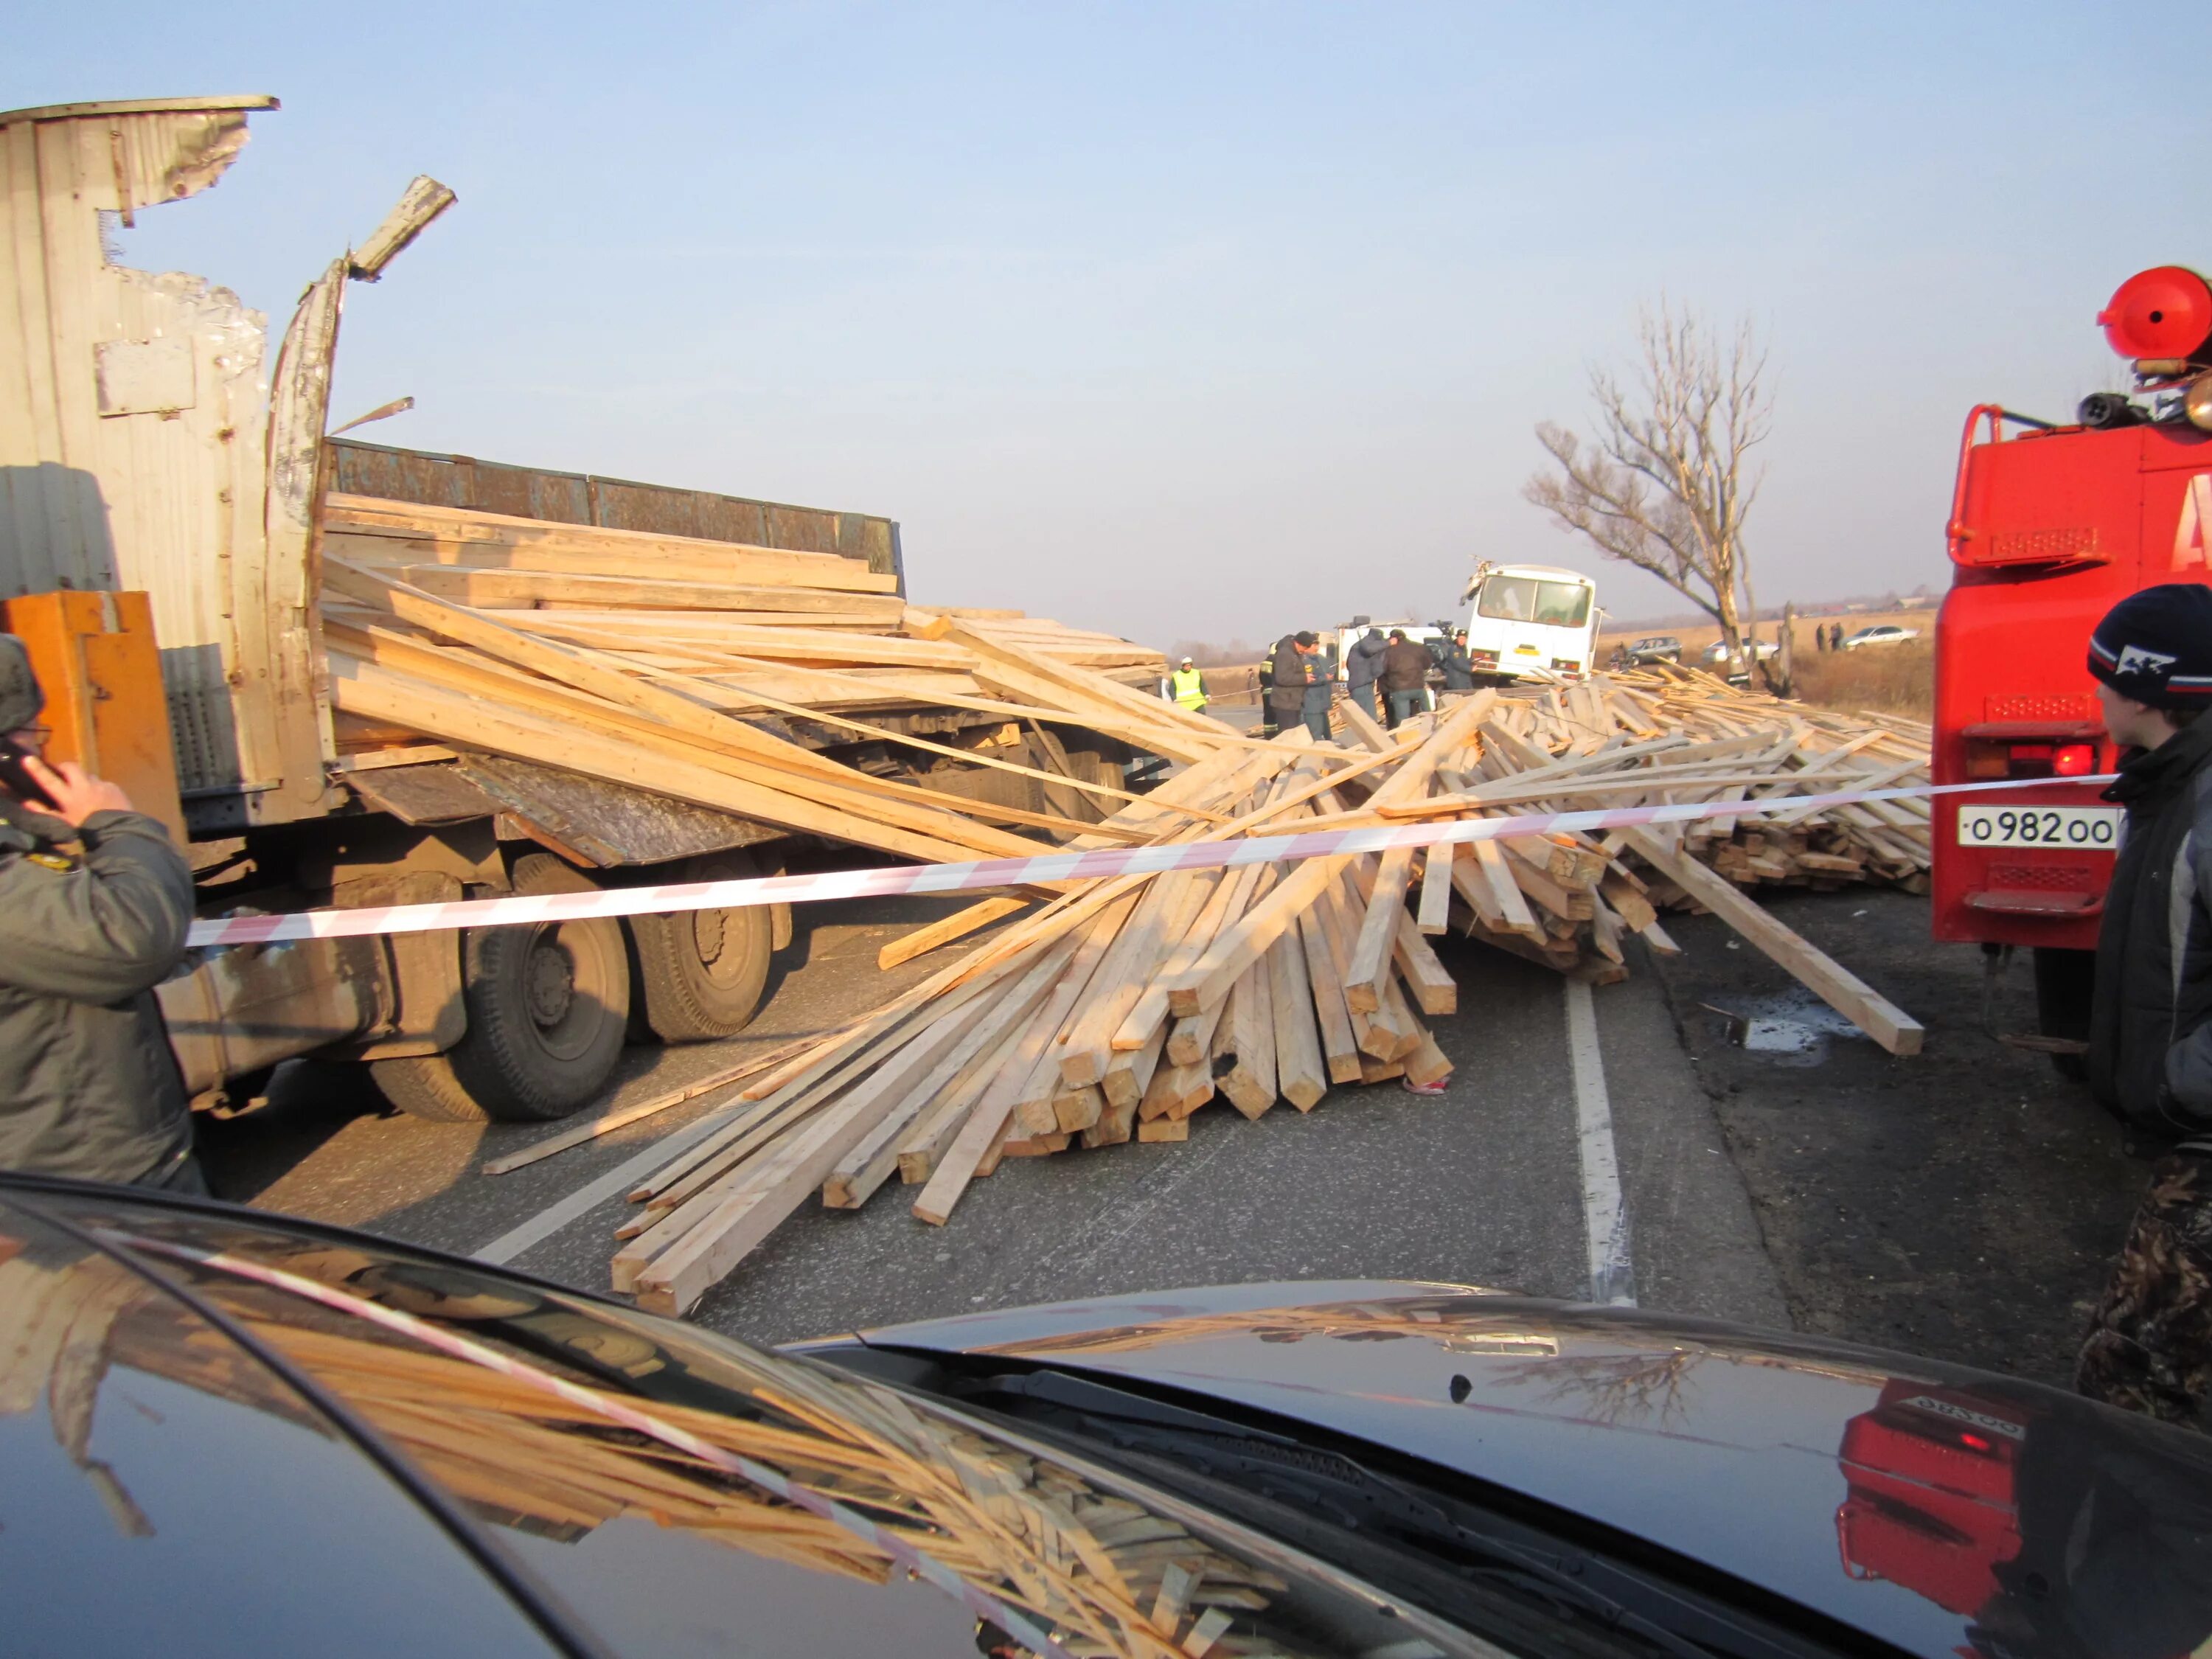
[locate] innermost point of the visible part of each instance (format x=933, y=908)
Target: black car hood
x=1944, y=1509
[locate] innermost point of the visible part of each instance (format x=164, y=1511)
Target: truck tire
x=2064, y=981
x=701, y=973
x=546, y=1007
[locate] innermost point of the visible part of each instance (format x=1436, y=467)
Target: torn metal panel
x=137, y=447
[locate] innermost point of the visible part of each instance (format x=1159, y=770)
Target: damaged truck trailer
x=166, y=514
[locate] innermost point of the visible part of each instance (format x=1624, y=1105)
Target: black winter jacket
x=2151, y=1023
x=1288, y=695
x=87, y=1084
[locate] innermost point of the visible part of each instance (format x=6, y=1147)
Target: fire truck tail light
x=1991, y=758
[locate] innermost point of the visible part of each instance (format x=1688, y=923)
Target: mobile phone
x=16, y=777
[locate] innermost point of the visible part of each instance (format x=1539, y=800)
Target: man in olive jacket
x=2150, y=1025
x=1294, y=669
x=95, y=900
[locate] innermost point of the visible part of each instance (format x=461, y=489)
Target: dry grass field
x=1891, y=679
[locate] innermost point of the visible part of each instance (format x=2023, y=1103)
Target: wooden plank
x=1849, y=995
x=482, y=588
x=498, y=536
x=745, y=752
x=1301, y=1072
x=1433, y=913
x=959, y=924
x=1497, y=877
x=1130, y=1073
x=875, y=1155
x=1435, y=990
x=986, y=1125
x=1369, y=967
x=673, y=1282
x=1248, y=1032
x=1427, y=1064
x=940, y=1122
x=1340, y=1048
x=1563, y=902
x=1165, y=914
x=1365, y=728
x=623, y=1117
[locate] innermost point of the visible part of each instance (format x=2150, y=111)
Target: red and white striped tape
x=1011, y=872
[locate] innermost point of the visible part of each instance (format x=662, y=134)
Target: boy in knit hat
x=2150, y=1027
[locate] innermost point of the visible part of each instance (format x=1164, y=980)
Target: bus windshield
x=1533, y=599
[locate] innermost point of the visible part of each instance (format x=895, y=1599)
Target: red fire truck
x=2051, y=524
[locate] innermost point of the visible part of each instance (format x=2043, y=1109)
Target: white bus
x=1531, y=622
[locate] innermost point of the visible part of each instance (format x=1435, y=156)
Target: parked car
x=223, y=1431
x=1657, y=648
x=1758, y=649
x=1880, y=634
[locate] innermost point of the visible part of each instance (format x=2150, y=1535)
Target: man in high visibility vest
x=1186, y=687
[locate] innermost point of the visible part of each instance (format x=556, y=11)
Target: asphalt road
x=1483, y=1184
x=1965, y=1203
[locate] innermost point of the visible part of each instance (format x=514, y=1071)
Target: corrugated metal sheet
x=410, y=475
x=133, y=427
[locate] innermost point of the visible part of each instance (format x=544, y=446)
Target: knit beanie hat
x=2155, y=646
x=20, y=700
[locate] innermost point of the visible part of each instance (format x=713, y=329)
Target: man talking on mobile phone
x=94, y=900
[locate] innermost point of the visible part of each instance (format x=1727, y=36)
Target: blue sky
x=1190, y=321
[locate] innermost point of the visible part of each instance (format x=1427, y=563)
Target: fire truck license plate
x=2091, y=829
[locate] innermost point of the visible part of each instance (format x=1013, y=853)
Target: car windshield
x=601, y=1451
x=1531, y=599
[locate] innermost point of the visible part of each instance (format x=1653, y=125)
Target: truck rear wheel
x=2064, y=981
x=700, y=972
x=547, y=1006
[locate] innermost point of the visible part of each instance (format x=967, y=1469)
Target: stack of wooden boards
x=1666, y=737
x=1111, y=1014
x=720, y=674
x=1125, y=1005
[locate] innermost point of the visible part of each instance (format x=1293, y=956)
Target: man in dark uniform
x=1458, y=666
x=94, y=900
x=2150, y=1025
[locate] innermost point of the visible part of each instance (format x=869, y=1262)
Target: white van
x=1531, y=622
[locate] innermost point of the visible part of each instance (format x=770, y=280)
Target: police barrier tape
x=667, y=899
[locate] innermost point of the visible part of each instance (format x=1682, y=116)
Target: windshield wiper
x=1465, y=1562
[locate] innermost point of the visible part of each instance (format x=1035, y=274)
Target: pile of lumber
x=1126, y=1004
x=1111, y=1014
x=794, y=689
x=1666, y=737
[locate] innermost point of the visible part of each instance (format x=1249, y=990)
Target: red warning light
x=2075, y=760
x=2165, y=313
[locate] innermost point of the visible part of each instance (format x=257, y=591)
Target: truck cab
x=2051, y=524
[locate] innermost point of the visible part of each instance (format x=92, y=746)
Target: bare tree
x=1663, y=484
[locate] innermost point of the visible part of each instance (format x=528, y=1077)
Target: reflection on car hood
x=1944, y=1509
x=229, y=1433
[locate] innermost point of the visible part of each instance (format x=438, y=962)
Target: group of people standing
x=1387, y=674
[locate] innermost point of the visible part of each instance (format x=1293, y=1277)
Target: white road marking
x=1605, y=1217
x=589, y=1196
